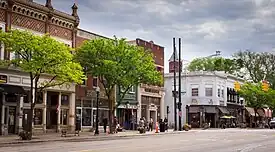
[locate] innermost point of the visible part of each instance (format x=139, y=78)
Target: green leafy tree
x=213, y=64
x=117, y=63
x=257, y=65
x=41, y=57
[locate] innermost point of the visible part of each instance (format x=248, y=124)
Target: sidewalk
x=84, y=136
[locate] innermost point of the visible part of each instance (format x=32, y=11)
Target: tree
x=41, y=56
x=117, y=63
x=258, y=66
x=213, y=64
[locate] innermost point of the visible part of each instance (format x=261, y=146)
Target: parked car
x=272, y=123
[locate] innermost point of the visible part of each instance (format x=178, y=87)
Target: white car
x=272, y=123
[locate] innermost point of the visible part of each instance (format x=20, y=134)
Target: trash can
x=162, y=127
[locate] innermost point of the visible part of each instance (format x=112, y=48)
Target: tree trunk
x=30, y=118
x=111, y=115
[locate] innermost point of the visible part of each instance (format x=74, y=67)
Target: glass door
x=78, y=117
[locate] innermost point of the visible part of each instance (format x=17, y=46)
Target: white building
x=205, y=97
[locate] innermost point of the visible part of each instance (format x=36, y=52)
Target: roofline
x=204, y=73
x=149, y=42
x=94, y=33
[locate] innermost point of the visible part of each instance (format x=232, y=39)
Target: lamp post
x=97, y=103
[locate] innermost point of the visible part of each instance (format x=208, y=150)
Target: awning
x=268, y=113
x=194, y=109
x=13, y=89
x=261, y=112
x=223, y=110
x=210, y=109
x=251, y=111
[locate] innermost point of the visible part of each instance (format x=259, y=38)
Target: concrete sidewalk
x=84, y=136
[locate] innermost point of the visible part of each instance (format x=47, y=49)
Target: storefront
x=127, y=116
x=86, y=112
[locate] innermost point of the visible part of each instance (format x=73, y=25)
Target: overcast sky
x=204, y=25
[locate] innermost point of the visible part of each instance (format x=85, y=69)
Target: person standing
x=151, y=122
x=105, y=121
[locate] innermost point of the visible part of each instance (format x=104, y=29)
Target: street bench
x=65, y=132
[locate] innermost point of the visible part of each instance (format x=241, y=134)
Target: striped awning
x=268, y=113
x=251, y=111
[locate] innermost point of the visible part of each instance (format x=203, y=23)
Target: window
x=64, y=117
x=38, y=115
x=222, y=93
x=64, y=100
x=195, y=92
x=84, y=81
x=209, y=90
x=219, y=92
x=95, y=82
x=86, y=117
x=87, y=103
x=27, y=96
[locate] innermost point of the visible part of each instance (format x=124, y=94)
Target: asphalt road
x=228, y=140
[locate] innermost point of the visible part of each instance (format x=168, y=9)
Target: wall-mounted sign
x=3, y=79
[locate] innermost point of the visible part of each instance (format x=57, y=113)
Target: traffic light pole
x=175, y=86
x=179, y=106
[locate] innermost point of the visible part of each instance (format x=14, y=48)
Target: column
x=139, y=103
x=44, y=119
x=58, y=111
x=20, y=115
x=72, y=112
x=162, y=106
x=3, y=115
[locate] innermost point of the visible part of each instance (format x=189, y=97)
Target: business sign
x=3, y=79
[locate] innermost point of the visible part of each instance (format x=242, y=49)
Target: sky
x=204, y=26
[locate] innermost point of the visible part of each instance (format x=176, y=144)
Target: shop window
x=64, y=117
x=195, y=92
x=86, y=117
x=65, y=100
x=38, y=116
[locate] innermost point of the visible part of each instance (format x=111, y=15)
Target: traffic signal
x=179, y=106
x=237, y=86
x=168, y=111
x=265, y=85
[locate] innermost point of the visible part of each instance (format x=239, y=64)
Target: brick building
x=55, y=108
x=86, y=93
x=151, y=98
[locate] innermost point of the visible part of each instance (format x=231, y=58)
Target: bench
x=65, y=132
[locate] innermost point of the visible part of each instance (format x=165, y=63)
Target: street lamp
x=97, y=103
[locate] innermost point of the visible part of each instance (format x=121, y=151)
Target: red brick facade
x=30, y=15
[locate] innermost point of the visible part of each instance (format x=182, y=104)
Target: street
x=228, y=140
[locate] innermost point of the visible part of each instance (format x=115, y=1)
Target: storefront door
x=12, y=120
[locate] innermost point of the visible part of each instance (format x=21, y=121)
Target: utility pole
x=179, y=104
x=175, y=85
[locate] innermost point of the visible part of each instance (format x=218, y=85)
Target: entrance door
x=78, y=118
x=11, y=120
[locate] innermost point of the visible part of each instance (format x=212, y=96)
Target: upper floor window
x=222, y=93
x=84, y=81
x=195, y=90
x=219, y=92
x=95, y=81
x=132, y=90
x=208, y=90
x=64, y=99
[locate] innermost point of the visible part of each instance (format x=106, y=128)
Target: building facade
x=126, y=111
x=55, y=108
x=86, y=93
x=206, y=96
x=151, y=98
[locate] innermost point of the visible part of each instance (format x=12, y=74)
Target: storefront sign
x=3, y=79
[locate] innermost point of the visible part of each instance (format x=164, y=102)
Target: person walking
x=105, y=121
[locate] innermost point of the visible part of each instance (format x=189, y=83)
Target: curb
x=91, y=138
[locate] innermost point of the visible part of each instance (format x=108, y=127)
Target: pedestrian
x=115, y=125
x=105, y=121
x=166, y=123
x=151, y=122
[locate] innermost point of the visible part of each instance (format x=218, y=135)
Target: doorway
x=12, y=120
